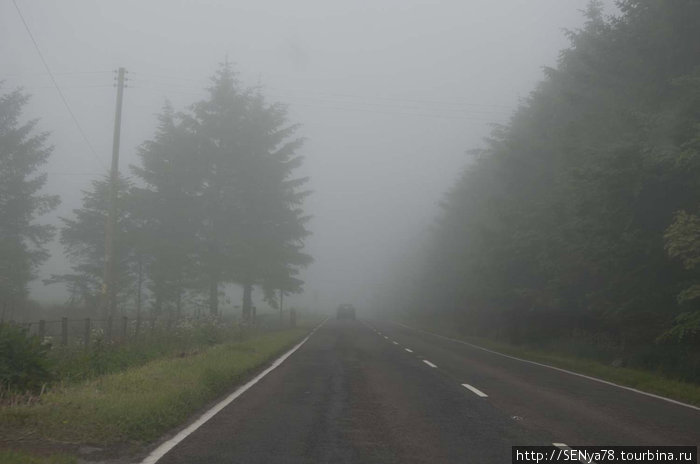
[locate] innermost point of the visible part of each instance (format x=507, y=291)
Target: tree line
x=212, y=200
x=581, y=216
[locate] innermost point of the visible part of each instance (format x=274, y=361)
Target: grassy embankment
x=18, y=457
x=141, y=403
x=559, y=355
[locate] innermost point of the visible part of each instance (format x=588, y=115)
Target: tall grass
x=141, y=403
x=18, y=457
x=75, y=363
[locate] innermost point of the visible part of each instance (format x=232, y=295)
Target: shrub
x=24, y=364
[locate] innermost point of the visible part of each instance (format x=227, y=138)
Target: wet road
x=377, y=392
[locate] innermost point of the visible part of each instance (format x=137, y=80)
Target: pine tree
x=83, y=238
x=167, y=208
x=254, y=225
x=22, y=239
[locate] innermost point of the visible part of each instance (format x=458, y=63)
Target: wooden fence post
x=86, y=335
x=138, y=325
x=109, y=329
x=125, y=328
x=42, y=330
x=64, y=331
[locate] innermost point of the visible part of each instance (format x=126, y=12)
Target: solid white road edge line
x=409, y=350
x=163, y=449
x=475, y=390
x=429, y=363
x=595, y=379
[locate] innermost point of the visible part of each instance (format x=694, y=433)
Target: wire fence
x=65, y=331
x=123, y=329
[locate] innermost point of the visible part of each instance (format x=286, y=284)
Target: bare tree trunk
x=247, y=301
x=214, y=295
x=138, y=291
x=281, y=303
x=158, y=304
x=178, y=305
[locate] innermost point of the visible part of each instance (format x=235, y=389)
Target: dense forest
x=211, y=201
x=579, y=220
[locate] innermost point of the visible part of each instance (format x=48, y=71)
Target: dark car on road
x=346, y=311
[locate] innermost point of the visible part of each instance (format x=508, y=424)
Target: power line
x=332, y=105
x=58, y=89
x=365, y=106
x=69, y=86
x=65, y=73
x=58, y=173
x=162, y=80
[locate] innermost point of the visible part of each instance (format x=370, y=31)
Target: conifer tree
x=22, y=238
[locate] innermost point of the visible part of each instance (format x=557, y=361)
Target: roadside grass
x=18, y=457
x=649, y=381
x=141, y=403
x=75, y=364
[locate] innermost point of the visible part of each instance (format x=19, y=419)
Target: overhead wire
x=58, y=88
x=434, y=108
x=163, y=80
x=33, y=87
x=64, y=73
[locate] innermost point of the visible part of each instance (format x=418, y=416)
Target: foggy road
x=359, y=392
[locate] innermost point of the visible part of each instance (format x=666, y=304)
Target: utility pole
x=108, y=285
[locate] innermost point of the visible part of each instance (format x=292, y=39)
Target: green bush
x=24, y=364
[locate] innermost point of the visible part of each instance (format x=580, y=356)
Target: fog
x=390, y=95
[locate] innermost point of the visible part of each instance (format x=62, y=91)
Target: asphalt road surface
x=373, y=392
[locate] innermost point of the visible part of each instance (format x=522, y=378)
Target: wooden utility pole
x=108, y=285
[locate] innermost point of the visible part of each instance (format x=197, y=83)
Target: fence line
x=119, y=329
x=111, y=330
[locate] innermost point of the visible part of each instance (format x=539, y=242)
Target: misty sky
x=390, y=95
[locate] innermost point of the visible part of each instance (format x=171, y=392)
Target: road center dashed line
x=395, y=343
x=566, y=371
x=564, y=446
x=429, y=363
x=475, y=390
x=409, y=350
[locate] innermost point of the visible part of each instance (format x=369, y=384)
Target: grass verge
x=18, y=457
x=140, y=404
x=75, y=364
x=644, y=380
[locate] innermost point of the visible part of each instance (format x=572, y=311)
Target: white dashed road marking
x=564, y=446
x=595, y=379
x=475, y=390
x=429, y=363
x=409, y=350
